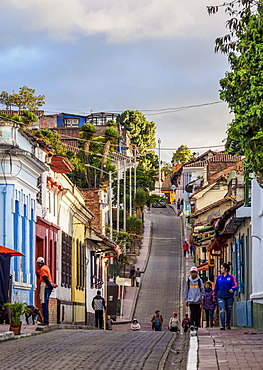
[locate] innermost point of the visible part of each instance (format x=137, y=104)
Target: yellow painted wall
x=210, y=197
x=79, y=313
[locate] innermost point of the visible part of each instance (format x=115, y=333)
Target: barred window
x=66, y=260
x=39, y=186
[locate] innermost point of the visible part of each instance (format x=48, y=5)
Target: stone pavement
x=239, y=348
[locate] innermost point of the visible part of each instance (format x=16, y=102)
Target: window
x=80, y=265
x=96, y=271
x=66, y=260
x=71, y=122
x=39, y=186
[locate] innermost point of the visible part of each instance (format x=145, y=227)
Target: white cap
x=40, y=260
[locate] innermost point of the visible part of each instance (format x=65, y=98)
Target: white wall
x=257, y=241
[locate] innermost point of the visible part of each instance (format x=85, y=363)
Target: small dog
x=34, y=312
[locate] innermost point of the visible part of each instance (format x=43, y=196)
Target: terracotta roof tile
x=210, y=206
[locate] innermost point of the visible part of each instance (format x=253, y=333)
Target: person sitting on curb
x=186, y=323
x=135, y=325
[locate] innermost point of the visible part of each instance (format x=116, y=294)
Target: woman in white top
x=173, y=323
x=135, y=325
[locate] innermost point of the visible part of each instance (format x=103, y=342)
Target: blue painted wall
x=17, y=231
x=60, y=119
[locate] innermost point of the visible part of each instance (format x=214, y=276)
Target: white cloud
x=118, y=20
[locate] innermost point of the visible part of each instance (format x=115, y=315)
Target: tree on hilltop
x=182, y=155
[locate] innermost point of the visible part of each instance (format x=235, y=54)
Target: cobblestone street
x=86, y=349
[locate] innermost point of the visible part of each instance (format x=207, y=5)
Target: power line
x=151, y=111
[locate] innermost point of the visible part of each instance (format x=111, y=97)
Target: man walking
x=185, y=248
x=132, y=275
x=138, y=277
x=46, y=287
x=193, y=295
x=98, y=305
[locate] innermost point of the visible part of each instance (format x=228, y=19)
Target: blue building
x=19, y=172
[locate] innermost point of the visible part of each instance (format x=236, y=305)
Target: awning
x=10, y=251
x=203, y=266
x=102, y=243
x=218, y=243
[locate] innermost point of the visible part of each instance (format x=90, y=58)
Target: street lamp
x=110, y=193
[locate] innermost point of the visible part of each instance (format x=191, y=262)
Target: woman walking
x=225, y=286
x=209, y=304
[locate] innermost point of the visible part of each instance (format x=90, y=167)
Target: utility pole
x=159, y=155
x=118, y=197
x=130, y=188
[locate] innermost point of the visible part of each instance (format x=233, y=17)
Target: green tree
x=6, y=100
x=239, y=13
x=242, y=87
x=24, y=99
x=182, y=155
x=140, y=201
x=143, y=135
x=134, y=228
x=167, y=168
x=53, y=139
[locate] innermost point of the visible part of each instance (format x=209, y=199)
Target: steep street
x=161, y=282
x=120, y=348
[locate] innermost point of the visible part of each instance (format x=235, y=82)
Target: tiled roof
x=219, y=157
x=210, y=206
x=237, y=166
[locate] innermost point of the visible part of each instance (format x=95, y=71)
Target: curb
x=7, y=336
x=192, y=354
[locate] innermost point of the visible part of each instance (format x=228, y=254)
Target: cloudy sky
x=113, y=55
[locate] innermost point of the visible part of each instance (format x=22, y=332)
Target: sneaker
x=223, y=328
x=229, y=328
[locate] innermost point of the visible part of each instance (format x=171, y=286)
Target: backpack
x=157, y=322
x=199, y=284
x=186, y=323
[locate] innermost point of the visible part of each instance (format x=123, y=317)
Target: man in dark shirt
x=132, y=275
x=98, y=305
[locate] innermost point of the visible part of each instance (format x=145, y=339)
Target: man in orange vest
x=46, y=286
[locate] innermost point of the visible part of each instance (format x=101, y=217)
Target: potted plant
x=17, y=309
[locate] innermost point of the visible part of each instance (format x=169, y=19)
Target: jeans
x=99, y=318
x=158, y=328
x=225, y=308
x=45, y=305
x=195, y=314
x=209, y=314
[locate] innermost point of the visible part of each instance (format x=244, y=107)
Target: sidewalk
x=131, y=294
x=239, y=348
